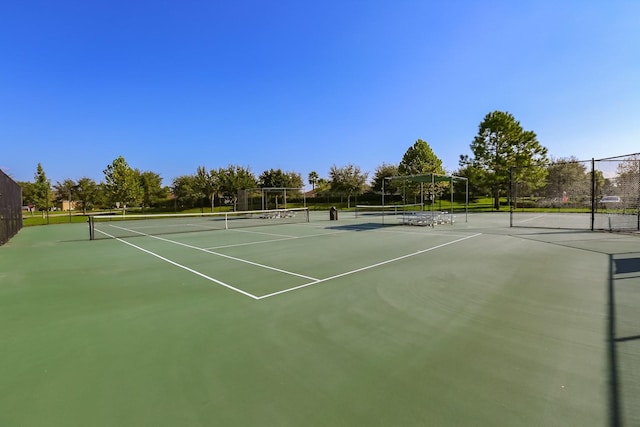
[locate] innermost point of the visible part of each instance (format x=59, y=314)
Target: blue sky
x=304, y=85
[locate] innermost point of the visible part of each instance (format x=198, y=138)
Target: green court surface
x=325, y=323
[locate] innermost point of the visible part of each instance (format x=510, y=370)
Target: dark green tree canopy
x=234, y=178
x=65, y=190
x=567, y=176
x=276, y=178
x=348, y=180
x=41, y=196
x=184, y=189
x=384, y=171
x=152, y=191
x=122, y=183
x=420, y=159
x=87, y=192
x=313, y=178
x=502, y=144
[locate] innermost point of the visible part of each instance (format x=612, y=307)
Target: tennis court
x=348, y=322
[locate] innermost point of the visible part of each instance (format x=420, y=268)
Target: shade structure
x=431, y=178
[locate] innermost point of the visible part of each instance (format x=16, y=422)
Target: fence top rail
x=622, y=157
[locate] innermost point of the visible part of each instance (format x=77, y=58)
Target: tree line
x=500, y=145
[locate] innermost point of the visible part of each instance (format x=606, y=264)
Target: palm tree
x=313, y=178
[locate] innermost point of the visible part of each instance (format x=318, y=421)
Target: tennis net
x=122, y=226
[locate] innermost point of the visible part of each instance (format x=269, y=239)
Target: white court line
x=367, y=267
x=218, y=254
x=235, y=230
x=314, y=280
x=532, y=218
x=274, y=240
x=191, y=270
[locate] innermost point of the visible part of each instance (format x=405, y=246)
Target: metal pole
x=466, y=201
x=593, y=193
x=451, y=205
x=638, y=199
x=511, y=197
x=91, y=228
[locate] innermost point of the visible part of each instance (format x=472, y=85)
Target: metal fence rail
x=10, y=208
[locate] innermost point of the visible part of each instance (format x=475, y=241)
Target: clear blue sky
x=303, y=85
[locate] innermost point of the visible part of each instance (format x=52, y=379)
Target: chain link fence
x=10, y=208
x=602, y=194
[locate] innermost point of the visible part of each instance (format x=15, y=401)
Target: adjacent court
x=357, y=321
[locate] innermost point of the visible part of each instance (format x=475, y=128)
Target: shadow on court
x=360, y=226
x=624, y=339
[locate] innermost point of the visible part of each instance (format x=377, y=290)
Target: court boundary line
x=314, y=281
x=184, y=267
x=368, y=267
x=255, y=264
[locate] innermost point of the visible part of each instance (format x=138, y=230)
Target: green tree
x=419, y=159
x=502, y=144
x=567, y=181
x=348, y=180
x=65, y=190
x=87, y=193
x=122, y=183
x=184, y=190
x=602, y=184
x=627, y=182
x=102, y=197
x=234, y=178
x=285, y=183
x=152, y=190
x=313, y=179
x=476, y=186
x=42, y=195
x=206, y=184
x=28, y=191
x=385, y=171
x=276, y=178
x=323, y=187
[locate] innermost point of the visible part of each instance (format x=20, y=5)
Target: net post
x=226, y=221
x=92, y=235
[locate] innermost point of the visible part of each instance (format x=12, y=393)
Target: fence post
x=511, y=196
x=593, y=193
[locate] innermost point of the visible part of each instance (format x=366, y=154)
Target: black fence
x=10, y=208
x=597, y=194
